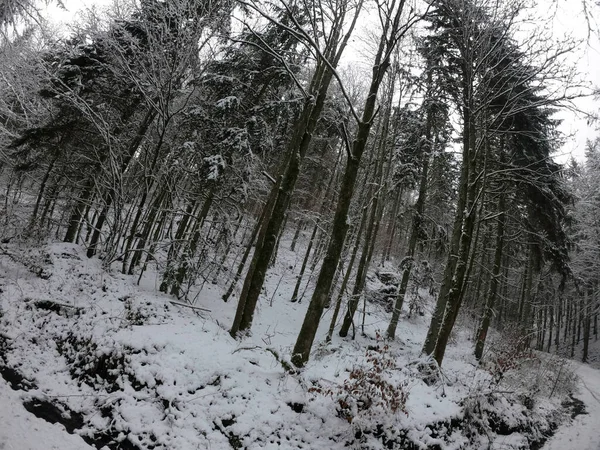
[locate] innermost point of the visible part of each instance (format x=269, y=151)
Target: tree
x=428, y=140
x=496, y=96
x=393, y=29
x=327, y=57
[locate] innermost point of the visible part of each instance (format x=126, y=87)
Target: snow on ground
x=143, y=372
x=21, y=430
x=584, y=432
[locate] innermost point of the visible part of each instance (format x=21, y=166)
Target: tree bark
x=417, y=223
x=310, y=325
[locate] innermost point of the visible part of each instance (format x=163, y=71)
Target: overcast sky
x=570, y=18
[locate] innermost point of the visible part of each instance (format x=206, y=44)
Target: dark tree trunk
x=146, y=232
x=496, y=273
x=182, y=271
x=338, y=302
x=299, y=227
x=78, y=211
x=301, y=139
x=176, y=245
x=361, y=274
x=305, y=262
x=42, y=190
x=310, y=325
x=417, y=223
x=454, y=296
x=257, y=236
x=392, y=227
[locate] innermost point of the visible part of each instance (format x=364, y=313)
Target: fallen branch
x=185, y=305
x=286, y=365
x=245, y=348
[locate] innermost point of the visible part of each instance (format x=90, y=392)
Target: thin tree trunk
x=496, y=273
x=42, y=191
x=240, y=269
x=361, y=274
x=299, y=227
x=573, y=328
x=78, y=211
x=338, y=302
x=392, y=227
x=150, y=221
x=304, y=262
x=182, y=272
x=417, y=223
x=176, y=245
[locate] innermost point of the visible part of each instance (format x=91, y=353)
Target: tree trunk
x=310, y=325
x=304, y=262
x=417, y=223
x=146, y=232
x=299, y=227
x=550, y=327
x=361, y=274
x=79, y=211
x=182, y=271
x=573, y=328
x=392, y=227
x=496, y=272
x=454, y=296
x=176, y=245
x=338, y=302
x=42, y=191
x=257, y=235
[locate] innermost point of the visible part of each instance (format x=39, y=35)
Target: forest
x=358, y=211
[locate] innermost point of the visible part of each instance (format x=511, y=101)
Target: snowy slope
x=141, y=372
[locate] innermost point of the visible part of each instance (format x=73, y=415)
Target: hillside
x=125, y=367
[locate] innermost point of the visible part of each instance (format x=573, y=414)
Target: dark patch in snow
x=59, y=413
x=296, y=407
x=16, y=380
x=575, y=406
x=55, y=413
x=234, y=440
x=89, y=365
x=58, y=308
x=12, y=377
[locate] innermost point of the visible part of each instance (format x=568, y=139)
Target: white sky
x=567, y=18
x=570, y=18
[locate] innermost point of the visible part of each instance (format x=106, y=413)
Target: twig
x=271, y=179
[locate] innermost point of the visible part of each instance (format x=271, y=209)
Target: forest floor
x=584, y=432
x=120, y=366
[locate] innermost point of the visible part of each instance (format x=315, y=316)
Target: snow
x=137, y=366
x=584, y=432
x=21, y=430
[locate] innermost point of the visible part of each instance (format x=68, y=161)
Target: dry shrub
x=369, y=393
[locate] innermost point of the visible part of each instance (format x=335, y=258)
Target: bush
x=507, y=354
x=369, y=395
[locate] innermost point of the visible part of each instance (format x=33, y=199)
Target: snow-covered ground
x=133, y=370
x=21, y=430
x=584, y=432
